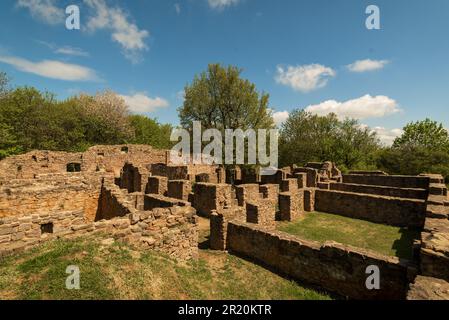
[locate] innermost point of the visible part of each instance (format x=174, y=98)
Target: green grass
x=119, y=271
x=321, y=227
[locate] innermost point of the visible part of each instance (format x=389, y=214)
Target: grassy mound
x=117, y=271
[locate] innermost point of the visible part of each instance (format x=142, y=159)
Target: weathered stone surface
x=380, y=209
x=427, y=288
x=338, y=268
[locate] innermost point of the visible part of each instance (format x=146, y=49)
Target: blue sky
x=314, y=54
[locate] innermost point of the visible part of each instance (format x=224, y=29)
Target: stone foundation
x=337, y=268
x=393, y=211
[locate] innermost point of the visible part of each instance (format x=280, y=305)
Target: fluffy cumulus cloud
x=141, y=103
x=52, y=69
x=360, y=108
x=367, y=65
x=126, y=33
x=221, y=4
x=387, y=136
x=280, y=117
x=44, y=10
x=304, y=78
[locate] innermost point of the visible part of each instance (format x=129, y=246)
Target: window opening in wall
x=74, y=167
x=47, y=228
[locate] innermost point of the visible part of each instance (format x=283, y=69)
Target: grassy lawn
x=388, y=240
x=117, y=271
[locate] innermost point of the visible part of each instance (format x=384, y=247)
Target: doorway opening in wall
x=47, y=228
x=74, y=167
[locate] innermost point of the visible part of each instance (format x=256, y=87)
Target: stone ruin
x=134, y=194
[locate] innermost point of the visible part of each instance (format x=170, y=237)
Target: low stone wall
x=379, y=209
x=52, y=192
x=170, y=230
x=152, y=201
x=262, y=212
x=420, y=182
x=380, y=190
x=291, y=205
x=157, y=185
x=133, y=178
x=434, y=255
x=209, y=197
x=337, y=268
x=179, y=189
x=247, y=192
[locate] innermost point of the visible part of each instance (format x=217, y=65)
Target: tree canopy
x=424, y=134
x=307, y=137
x=220, y=99
x=30, y=119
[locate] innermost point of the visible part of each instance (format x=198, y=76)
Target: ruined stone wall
x=261, y=212
x=379, y=209
x=420, y=182
x=338, y=268
x=179, y=189
x=171, y=230
x=98, y=158
x=381, y=190
x=109, y=205
x=134, y=178
x=52, y=192
x=291, y=205
x=209, y=197
x=247, y=192
x=152, y=201
x=434, y=255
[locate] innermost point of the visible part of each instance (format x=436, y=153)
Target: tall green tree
x=149, y=131
x=221, y=99
x=308, y=137
x=422, y=148
x=425, y=134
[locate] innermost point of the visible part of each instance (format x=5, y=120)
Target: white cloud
x=367, y=65
x=52, y=69
x=66, y=50
x=44, y=10
x=387, y=136
x=72, y=51
x=280, y=117
x=178, y=8
x=304, y=78
x=360, y=108
x=221, y=4
x=141, y=103
x=124, y=32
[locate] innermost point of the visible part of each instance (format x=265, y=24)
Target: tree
x=425, y=134
x=221, y=99
x=307, y=137
x=422, y=148
x=149, y=131
x=105, y=118
x=4, y=81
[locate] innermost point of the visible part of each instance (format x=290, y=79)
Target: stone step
x=438, y=189
x=437, y=200
x=437, y=211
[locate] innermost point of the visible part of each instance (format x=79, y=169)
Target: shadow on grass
x=404, y=245
x=303, y=284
